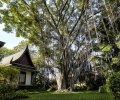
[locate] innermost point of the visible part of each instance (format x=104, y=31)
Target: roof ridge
x=13, y=57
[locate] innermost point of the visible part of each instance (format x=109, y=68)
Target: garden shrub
x=20, y=94
x=8, y=82
x=9, y=74
x=52, y=88
x=6, y=91
x=7, y=96
x=12, y=95
x=102, y=89
x=115, y=85
x=80, y=87
x=94, y=84
x=6, y=88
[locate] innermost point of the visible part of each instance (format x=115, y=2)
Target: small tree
x=9, y=74
x=8, y=81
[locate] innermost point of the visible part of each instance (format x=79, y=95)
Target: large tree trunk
x=62, y=73
x=59, y=80
x=65, y=81
x=62, y=80
x=72, y=83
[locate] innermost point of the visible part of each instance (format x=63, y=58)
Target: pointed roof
x=7, y=60
x=1, y=43
x=16, y=59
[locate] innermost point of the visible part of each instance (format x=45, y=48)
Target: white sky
x=9, y=38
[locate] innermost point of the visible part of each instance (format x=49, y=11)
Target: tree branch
x=82, y=12
x=51, y=16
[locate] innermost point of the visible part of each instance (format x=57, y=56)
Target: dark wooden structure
x=1, y=44
x=22, y=61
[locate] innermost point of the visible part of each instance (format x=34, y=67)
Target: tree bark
x=62, y=80
x=59, y=80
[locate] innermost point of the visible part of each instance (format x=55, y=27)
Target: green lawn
x=70, y=96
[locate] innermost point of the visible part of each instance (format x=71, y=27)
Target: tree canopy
x=67, y=33
x=5, y=52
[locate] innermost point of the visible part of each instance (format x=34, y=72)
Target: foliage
x=107, y=61
x=95, y=83
x=107, y=85
x=38, y=61
x=21, y=94
x=80, y=87
x=115, y=85
x=102, y=89
x=54, y=26
x=9, y=74
x=8, y=82
x=5, y=52
x=21, y=46
x=60, y=29
x=38, y=80
x=10, y=93
x=108, y=29
x=7, y=88
x=7, y=96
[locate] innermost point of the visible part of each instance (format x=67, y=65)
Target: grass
x=70, y=96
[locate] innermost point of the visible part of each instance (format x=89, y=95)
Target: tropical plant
x=115, y=85
x=8, y=82
x=9, y=74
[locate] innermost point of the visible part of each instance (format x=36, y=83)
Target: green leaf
x=118, y=44
x=115, y=60
x=105, y=48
